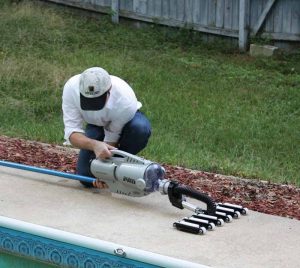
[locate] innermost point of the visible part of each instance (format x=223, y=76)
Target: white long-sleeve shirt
x=120, y=108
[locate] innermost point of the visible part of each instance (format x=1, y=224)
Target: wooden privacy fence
x=274, y=19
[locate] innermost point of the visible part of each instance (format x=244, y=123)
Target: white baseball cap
x=94, y=85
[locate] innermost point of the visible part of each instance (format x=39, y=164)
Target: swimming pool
x=64, y=249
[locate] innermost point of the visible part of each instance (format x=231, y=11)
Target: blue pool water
x=13, y=261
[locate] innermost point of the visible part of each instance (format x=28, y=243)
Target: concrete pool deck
x=256, y=240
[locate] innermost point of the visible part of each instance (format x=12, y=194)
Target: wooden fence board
x=166, y=9
x=150, y=8
x=203, y=12
x=295, y=23
x=180, y=10
x=220, y=13
x=228, y=14
x=189, y=7
x=172, y=11
x=286, y=23
x=211, y=11
x=278, y=17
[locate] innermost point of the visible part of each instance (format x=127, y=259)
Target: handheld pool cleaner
x=134, y=176
x=131, y=175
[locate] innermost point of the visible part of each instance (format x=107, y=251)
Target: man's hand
x=100, y=184
x=102, y=149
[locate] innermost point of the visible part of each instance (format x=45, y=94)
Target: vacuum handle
x=129, y=158
x=119, y=152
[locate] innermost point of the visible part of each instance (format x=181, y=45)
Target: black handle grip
x=191, y=192
x=176, y=190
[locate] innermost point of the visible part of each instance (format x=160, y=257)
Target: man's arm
x=101, y=149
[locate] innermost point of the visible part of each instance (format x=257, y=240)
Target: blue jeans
x=133, y=139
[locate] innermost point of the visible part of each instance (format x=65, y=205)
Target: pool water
x=14, y=261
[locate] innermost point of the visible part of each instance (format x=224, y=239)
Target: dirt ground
x=261, y=196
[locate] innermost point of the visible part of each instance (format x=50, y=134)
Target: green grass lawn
x=211, y=108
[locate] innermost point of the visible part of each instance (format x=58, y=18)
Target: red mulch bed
x=270, y=198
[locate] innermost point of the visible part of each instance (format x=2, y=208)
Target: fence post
x=115, y=11
x=243, y=25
